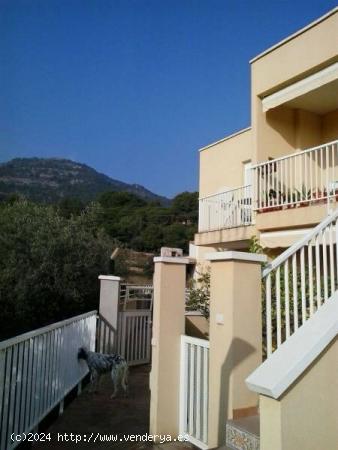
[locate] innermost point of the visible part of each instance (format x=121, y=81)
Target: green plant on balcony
x=303, y=196
x=198, y=298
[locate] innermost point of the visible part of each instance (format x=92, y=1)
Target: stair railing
x=299, y=281
x=106, y=336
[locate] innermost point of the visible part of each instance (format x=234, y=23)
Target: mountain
x=49, y=180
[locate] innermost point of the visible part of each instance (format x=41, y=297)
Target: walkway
x=92, y=414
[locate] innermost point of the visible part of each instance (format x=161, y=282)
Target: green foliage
x=199, y=293
x=289, y=287
x=148, y=226
x=50, y=256
x=255, y=246
x=185, y=206
x=69, y=207
x=48, y=264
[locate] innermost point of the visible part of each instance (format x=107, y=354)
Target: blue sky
x=133, y=87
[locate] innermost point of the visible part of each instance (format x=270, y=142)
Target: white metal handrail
x=229, y=209
x=37, y=370
x=299, y=281
x=194, y=390
x=297, y=179
x=106, y=336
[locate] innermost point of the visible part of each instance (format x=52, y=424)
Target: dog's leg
x=114, y=377
x=124, y=381
x=92, y=381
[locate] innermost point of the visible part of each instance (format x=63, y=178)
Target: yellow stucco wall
x=236, y=344
x=292, y=59
x=221, y=164
x=284, y=130
x=330, y=126
x=279, y=131
x=305, y=417
x=168, y=326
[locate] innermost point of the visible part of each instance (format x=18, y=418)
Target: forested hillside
x=49, y=180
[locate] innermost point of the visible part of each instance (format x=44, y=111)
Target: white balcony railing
x=228, y=209
x=309, y=176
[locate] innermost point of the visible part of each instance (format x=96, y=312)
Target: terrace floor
x=91, y=415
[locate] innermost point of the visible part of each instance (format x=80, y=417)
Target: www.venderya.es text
x=95, y=437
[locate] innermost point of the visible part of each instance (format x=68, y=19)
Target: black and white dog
x=99, y=363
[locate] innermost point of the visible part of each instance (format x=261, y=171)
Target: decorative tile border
x=241, y=440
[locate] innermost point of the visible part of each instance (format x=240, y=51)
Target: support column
x=235, y=337
x=168, y=326
x=109, y=298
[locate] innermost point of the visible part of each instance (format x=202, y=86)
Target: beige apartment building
x=264, y=376
x=279, y=177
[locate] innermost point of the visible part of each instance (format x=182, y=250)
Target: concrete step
x=243, y=434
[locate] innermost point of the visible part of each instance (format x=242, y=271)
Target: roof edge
x=244, y=130
x=294, y=35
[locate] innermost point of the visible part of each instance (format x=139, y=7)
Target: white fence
x=305, y=177
x=136, y=296
x=228, y=209
x=194, y=389
x=37, y=370
x=134, y=336
x=300, y=280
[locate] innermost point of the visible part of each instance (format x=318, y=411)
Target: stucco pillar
x=168, y=326
x=109, y=298
x=235, y=337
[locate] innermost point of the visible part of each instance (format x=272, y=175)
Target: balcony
x=228, y=209
x=300, y=179
x=308, y=177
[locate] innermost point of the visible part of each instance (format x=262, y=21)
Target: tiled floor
x=92, y=416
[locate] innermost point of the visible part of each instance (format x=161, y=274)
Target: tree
x=48, y=265
x=178, y=235
x=185, y=206
x=146, y=226
x=113, y=199
x=70, y=206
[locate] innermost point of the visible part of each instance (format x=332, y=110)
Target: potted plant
x=304, y=196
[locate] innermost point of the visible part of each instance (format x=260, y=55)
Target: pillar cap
x=172, y=260
x=238, y=256
x=109, y=277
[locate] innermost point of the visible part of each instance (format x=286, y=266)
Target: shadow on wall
x=239, y=350
x=282, y=120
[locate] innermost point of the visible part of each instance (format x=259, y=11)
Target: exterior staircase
x=308, y=270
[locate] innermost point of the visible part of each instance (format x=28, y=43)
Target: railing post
x=109, y=301
x=235, y=337
x=168, y=326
